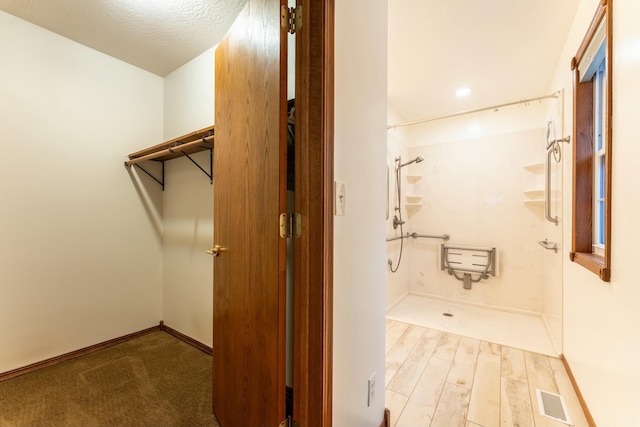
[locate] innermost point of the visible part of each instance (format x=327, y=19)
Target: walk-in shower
x=492, y=181
x=397, y=217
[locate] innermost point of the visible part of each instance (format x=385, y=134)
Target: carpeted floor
x=155, y=380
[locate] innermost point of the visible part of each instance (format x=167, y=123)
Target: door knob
x=215, y=251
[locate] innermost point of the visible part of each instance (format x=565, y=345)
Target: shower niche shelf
x=412, y=207
x=533, y=201
x=413, y=203
x=533, y=181
x=535, y=168
x=412, y=179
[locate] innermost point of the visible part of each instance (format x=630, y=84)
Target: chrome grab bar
x=552, y=246
x=416, y=235
x=547, y=188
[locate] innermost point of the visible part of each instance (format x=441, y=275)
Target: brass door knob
x=215, y=251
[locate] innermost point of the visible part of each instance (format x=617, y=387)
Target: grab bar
x=429, y=236
x=552, y=246
x=416, y=235
x=547, y=189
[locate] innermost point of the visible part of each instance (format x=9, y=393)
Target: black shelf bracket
x=186, y=146
x=210, y=173
x=159, y=181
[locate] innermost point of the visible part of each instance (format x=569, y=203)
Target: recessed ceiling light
x=463, y=91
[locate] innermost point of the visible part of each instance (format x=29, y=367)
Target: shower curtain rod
x=462, y=113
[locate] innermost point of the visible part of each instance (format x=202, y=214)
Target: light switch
x=340, y=192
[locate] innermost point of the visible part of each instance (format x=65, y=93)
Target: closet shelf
x=191, y=143
x=185, y=145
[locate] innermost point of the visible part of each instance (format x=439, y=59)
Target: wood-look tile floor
x=440, y=379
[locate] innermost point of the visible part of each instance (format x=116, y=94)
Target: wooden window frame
x=583, y=155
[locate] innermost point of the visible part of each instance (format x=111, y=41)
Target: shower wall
x=552, y=312
x=398, y=282
x=472, y=189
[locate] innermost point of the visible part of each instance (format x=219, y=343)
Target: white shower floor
x=526, y=332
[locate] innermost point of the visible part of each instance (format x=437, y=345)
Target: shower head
x=416, y=160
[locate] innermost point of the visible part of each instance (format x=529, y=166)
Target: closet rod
x=462, y=113
x=170, y=150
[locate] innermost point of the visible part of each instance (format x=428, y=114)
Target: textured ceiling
x=504, y=50
x=156, y=35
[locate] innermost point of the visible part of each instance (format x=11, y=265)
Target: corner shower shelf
x=413, y=199
x=534, y=202
x=535, y=168
x=411, y=179
x=185, y=145
x=534, y=196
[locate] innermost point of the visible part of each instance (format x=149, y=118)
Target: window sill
x=598, y=250
x=592, y=262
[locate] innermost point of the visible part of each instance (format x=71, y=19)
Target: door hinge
x=291, y=18
x=290, y=225
x=289, y=422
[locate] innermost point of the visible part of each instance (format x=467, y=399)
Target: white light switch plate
x=340, y=192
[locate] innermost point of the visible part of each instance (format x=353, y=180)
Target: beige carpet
x=155, y=380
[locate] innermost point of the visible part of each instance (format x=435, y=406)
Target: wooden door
x=249, y=195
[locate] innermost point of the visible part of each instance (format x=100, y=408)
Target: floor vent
x=553, y=406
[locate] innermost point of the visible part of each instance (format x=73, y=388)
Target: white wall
x=502, y=141
x=188, y=204
x=473, y=191
x=359, y=248
x=397, y=284
x=80, y=236
x=189, y=96
x=601, y=341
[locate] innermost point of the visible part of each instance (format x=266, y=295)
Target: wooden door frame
x=313, y=311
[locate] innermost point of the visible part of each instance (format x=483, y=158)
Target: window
x=591, y=232
x=599, y=156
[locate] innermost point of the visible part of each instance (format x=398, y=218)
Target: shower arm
x=401, y=165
